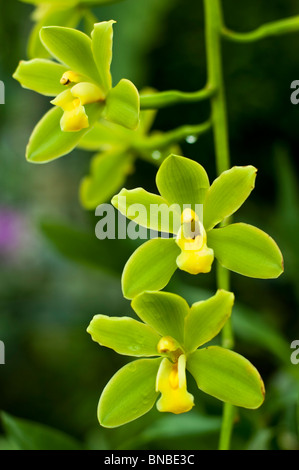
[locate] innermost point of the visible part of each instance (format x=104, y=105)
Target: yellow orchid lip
x=72, y=101
x=195, y=257
x=196, y=262
x=74, y=120
x=171, y=382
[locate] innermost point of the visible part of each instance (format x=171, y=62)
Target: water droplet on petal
x=156, y=155
x=191, y=139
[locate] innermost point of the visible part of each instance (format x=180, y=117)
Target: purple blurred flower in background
x=12, y=228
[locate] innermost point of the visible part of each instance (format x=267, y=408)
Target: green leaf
x=261, y=440
x=106, y=135
x=227, y=193
x=246, y=250
x=182, y=181
x=48, y=141
x=148, y=210
x=178, y=426
x=125, y=335
x=83, y=248
x=6, y=444
x=123, y=105
x=40, y=75
x=164, y=312
x=227, y=376
x=27, y=435
x=207, y=318
x=72, y=48
x=108, y=173
x=150, y=267
x=252, y=327
x=102, y=39
x=129, y=394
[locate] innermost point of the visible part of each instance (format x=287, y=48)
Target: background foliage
x=55, y=275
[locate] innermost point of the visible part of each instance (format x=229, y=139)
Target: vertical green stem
x=227, y=426
x=213, y=17
x=214, y=25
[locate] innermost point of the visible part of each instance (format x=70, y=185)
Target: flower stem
x=168, y=98
x=227, y=426
x=213, y=15
x=275, y=28
x=214, y=27
x=161, y=141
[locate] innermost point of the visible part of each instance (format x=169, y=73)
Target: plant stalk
x=214, y=27
x=164, y=99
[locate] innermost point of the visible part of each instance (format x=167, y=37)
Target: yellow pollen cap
x=70, y=77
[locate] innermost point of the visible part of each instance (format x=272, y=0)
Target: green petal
x=155, y=212
x=48, y=141
x=68, y=17
x=164, y=312
x=147, y=118
x=227, y=376
x=150, y=267
x=207, y=318
x=124, y=335
x=102, y=39
x=246, y=250
x=40, y=75
x=108, y=173
x=106, y=135
x=182, y=181
x=72, y=48
x=123, y=105
x=228, y=192
x=129, y=394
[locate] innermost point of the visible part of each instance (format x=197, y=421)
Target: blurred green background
x=55, y=275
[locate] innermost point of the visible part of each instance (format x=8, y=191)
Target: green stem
x=214, y=27
x=226, y=430
x=213, y=15
x=172, y=137
x=168, y=98
x=149, y=149
x=276, y=28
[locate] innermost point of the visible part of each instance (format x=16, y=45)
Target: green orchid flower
x=66, y=13
x=173, y=331
x=82, y=85
x=117, y=150
x=183, y=184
